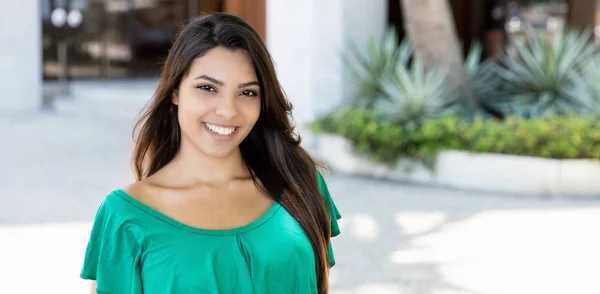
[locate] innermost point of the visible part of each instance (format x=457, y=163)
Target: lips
x=220, y=130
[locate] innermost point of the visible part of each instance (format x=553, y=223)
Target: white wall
x=362, y=19
x=328, y=43
x=20, y=56
x=290, y=42
x=306, y=39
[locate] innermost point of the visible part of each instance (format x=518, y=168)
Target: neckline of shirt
x=265, y=217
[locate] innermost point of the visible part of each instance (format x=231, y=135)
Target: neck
x=191, y=166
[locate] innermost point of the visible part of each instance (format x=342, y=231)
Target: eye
x=249, y=93
x=207, y=88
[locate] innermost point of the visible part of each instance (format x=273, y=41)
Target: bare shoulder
x=144, y=191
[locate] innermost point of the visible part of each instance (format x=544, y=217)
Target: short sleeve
x=112, y=255
x=334, y=213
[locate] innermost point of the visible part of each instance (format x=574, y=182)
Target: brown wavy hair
x=271, y=151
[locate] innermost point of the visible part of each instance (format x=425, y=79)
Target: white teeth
x=220, y=130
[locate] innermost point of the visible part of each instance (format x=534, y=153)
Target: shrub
x=552, y=136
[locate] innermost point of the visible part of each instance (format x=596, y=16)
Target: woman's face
x=218, y=101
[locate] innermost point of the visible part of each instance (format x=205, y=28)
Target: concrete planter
x=518, y=175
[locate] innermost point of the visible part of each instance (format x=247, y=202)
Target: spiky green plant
x=539, y=77
x=369, y=66
x=409, y=92
x=482, y=83
x=415, y=94
x=586, y=87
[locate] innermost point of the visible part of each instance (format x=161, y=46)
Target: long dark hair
x=271, y=151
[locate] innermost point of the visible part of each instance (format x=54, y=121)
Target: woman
x=226, y=200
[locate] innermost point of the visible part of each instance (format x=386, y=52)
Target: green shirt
x=136, y=249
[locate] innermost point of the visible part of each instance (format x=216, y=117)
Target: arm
x=93, y=287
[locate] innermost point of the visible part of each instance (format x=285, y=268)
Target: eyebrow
x=220, y=83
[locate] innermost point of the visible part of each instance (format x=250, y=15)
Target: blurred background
x=462, y=136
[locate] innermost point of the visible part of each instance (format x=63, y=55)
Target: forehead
x=227, y=65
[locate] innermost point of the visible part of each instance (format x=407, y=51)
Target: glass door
x=112, y=38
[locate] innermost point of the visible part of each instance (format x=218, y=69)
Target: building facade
x=119, y=39
x=20, y=58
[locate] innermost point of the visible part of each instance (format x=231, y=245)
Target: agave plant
x=586, y=87
x=540, y=76
x=369, y=67
x=411, y=93
x=482, y=83
x=415, y=94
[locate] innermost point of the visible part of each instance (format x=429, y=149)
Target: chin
x=218, y=152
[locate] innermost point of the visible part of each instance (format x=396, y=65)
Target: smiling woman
x=218, y=101
x=226, y=200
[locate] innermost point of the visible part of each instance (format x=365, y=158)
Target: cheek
x=190, y=108
x=188, y=118
x=253, y=110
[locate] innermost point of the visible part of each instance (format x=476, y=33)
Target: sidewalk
x=395, y=238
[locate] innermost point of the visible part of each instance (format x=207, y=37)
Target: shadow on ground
x=411, y=239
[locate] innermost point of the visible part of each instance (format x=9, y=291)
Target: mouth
x=220, y=130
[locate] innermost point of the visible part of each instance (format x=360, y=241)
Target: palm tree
x=432, y=31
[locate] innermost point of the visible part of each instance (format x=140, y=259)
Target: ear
x=175, y=97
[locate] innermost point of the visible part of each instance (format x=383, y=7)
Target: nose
x=227, y=109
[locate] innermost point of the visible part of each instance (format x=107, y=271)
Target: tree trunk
x=582, y=14
x=431, y=29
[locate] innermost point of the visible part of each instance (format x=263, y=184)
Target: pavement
x=56, y=167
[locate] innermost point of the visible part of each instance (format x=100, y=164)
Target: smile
x=223, y=131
